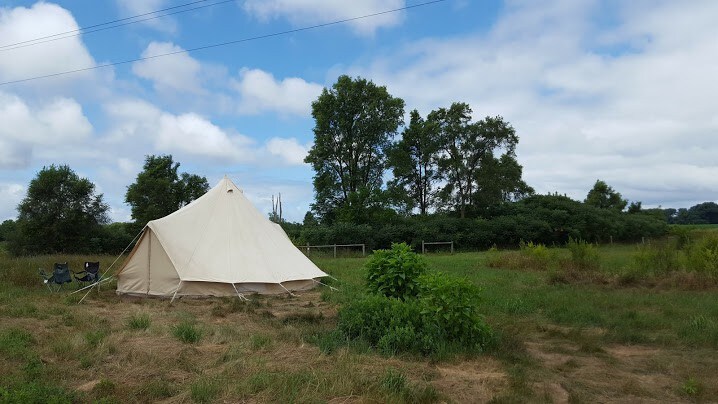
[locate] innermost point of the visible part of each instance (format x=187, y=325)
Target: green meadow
x=589, y=323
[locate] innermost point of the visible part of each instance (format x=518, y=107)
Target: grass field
x=592, y=338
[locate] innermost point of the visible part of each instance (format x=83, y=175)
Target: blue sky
x=618, y=91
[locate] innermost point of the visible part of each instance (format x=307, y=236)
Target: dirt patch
x=478, y=380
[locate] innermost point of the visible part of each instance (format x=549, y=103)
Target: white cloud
x=25, y=128
x=196, y=135
x=261, y=92
x=188, y=134
x=131, y=8
x=178, y=72
x=289, y=150
x=628, y=103
x=10, y=196
x=42, y=19
x=322, y=11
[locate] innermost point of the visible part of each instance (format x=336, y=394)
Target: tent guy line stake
x=176, y=290
x=330, y=287
x=290, y=293
x=241, y=296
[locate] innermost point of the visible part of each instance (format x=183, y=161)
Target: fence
x=424, y=244
x=307, y=247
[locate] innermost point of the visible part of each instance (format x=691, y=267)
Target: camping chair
x=89, y=274
x=60, y=276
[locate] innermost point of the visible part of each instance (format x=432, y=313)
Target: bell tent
x=218, y=245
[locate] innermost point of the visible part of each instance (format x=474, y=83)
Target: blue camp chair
x=89, y=274
x=60, y=276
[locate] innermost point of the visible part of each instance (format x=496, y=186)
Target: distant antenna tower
x=277, y=208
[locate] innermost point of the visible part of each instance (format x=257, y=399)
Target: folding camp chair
x=89, y=274
x=60, y=276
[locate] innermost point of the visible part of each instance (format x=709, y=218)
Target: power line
x=117, y=23
x=216, y=45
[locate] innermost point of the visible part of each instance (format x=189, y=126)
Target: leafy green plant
x=691, y=387
x=394, y=272
x=450, y=303
x=442, y=317
x=702, y=255
x=187, y=332
x=583, y=254
x=656, y=258
x=139, y=321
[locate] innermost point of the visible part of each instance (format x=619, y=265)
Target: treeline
x=547, y=219
x=62, y=213
x=702, y=213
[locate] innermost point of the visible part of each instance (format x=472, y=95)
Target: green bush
x=702, y=255
x=535, y=256
x=656, y=258
x=583, y=254
x=394, y=273
x=442, y=318
x=450, y=304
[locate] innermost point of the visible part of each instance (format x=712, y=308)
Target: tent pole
x=176, y=290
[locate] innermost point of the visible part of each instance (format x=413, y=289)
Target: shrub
x=702, y=255
x=450, y=303
x=372, y=317
x=443, y=316
x=583, y=254
x=394, y=273
x=535, y=256
x=659, y=257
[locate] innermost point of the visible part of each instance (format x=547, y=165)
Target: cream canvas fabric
x=215, y=244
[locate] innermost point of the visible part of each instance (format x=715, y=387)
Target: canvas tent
x=218, y=245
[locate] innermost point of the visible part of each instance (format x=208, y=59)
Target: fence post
x=335, y=250
x=643, y=240
x=611, y=240
x=423, y=250
x=363, y=250
x=452, y=247
x=307, y=248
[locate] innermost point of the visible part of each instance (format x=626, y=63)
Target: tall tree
x=603, y=196
x=465, y=147
x=61, y=213
x=354, y=123
x=414, y=162
x=159, y=190
x=499, y=180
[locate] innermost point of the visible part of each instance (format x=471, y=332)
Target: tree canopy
x=160, y=190
x=414, y=163
x=604, y=197
x=61, y=213
x=468, y=161
x=355, y=121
